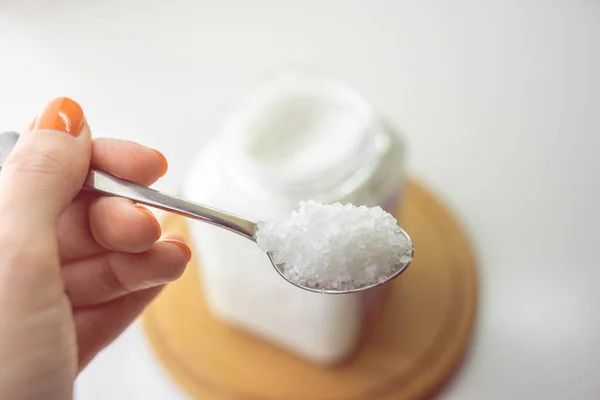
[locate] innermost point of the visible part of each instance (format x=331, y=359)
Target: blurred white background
x=500, y=102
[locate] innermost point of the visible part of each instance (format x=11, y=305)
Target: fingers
x=47, y=167
x=98, y=326
x=121, y=225
x=94, y=224
x=100, y=279
x=126, y=160
x=75, y=238
x=100, y=323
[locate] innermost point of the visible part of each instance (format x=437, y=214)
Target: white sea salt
x=336, y=246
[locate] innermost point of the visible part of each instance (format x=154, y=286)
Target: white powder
x=336, y=247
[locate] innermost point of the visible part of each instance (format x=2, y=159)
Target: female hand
x=75, y=268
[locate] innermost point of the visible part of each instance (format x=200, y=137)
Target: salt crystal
x=335, y=246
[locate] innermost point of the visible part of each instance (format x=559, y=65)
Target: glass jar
x=299, y=137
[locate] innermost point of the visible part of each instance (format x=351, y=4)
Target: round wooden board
x=413, y=347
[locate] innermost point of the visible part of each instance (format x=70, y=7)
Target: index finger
x=128, y=160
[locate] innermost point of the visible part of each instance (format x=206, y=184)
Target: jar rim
x=330, y=172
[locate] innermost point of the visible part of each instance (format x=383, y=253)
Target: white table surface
x=500, y=101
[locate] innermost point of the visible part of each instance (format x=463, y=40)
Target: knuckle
x=47, y=160
x=102, y=149
x=113, y=277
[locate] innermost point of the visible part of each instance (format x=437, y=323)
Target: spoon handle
x=107, y=184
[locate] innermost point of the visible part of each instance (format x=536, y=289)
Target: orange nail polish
x=149, y=214
x=165, y=164
x=181, y=245
x=61, y=114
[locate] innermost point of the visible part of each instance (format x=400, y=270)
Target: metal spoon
x=98, y=181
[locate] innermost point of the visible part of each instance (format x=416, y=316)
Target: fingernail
x=165, y=164
x=181, y=245
x=149, y=214
x=61, y=114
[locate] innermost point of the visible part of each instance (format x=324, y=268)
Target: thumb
x=47, y=167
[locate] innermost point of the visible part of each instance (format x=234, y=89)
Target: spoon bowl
x=317, y=289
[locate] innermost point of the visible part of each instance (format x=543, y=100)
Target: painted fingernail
x=61, y=114
x=182, y=246
x=149, y=214
x=165, y=164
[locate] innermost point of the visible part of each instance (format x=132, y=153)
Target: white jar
x=300, y=137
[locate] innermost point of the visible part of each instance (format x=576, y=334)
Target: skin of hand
x=75, y=268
